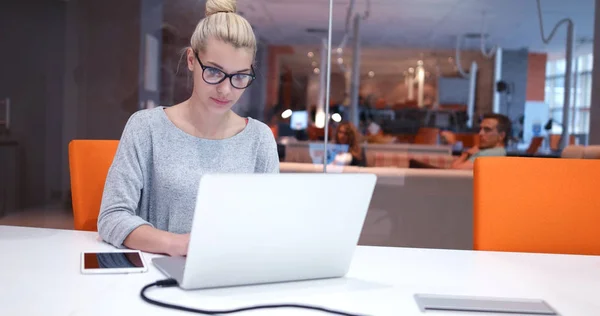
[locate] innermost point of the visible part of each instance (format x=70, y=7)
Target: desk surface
x=40, y=275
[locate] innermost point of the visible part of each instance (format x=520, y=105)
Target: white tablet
x=121, y=261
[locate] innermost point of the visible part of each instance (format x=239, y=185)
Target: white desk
x=39, y=275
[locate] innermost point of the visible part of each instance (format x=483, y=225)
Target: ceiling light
x=340, y=60
x=336, y=117
x=316, y=70
x=287, y=113
x=371, y=74
x=311, y=54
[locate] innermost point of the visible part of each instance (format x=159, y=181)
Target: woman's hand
x=178, y=245
x=150, y=239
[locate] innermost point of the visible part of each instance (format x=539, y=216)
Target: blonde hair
x=223, y=23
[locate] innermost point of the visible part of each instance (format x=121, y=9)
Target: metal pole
x=564, y=138
x=420, y=86
x=355, y=72
x=472, y=90
x=497, y=77
x=328, y=87
x=7, y=119
x=575, y=83
x=319, y=120
x=411, y=86
x=594, y=114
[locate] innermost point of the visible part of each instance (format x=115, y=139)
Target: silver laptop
x=265, y=228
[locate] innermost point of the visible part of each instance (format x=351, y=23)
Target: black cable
x=173, y=282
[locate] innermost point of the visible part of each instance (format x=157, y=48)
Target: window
x=579, y=120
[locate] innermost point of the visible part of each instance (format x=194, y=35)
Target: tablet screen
x=112, y=260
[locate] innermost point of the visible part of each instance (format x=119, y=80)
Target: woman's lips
x=220, y=102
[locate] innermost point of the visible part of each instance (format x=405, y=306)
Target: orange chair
x=89, y=161
x=427, y=136
x=468, y=139
x=555, y=141
x=539, y=205
x=535, y=145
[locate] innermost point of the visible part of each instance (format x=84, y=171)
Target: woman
x=150, y=190
x=346, y=134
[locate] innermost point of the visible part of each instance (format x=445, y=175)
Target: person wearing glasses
x=150, y=190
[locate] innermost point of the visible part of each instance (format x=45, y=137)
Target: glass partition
x=410, y=85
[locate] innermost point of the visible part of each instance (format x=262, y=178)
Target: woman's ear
x=190, y=59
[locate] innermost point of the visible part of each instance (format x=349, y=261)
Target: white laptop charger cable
x=173, y=282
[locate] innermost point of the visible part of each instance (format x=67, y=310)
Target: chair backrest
x=89, y=161
x=573, y=152
x=536, y=205
x=428, y=136
x=555, y=141
x=535, y=144
x=591, y=152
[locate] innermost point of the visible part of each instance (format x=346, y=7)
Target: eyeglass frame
x=230, y=76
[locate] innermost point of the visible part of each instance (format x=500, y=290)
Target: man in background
x=494, y=133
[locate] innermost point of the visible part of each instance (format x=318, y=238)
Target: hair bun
x=216, y=6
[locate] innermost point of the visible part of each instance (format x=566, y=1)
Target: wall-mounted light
x=411, y=70
x=311, y=54
x=420, y=74
x=336, y=117
x=371, y=74
x=320, y=119
x=339, y=50
x=286, y=114
x=317, y=71
x=314, y=64
x=340, y=60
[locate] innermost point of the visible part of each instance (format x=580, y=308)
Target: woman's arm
x=268, y=158
x=149, y=239
x=118, y=223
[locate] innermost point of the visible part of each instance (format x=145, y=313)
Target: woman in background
x=347, y=134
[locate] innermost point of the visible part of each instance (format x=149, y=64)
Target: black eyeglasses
x=212, y=75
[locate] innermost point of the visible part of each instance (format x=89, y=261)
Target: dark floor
x=46, y=217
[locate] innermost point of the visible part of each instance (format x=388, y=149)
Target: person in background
x=346, y=134
x=150, y=190
x=494, y=133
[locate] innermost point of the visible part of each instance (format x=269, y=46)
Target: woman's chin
x=218, y=107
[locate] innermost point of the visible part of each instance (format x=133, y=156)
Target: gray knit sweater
x=155, y=174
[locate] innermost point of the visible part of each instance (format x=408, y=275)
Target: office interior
x=402, y=72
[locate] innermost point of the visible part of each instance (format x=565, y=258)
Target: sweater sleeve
x=268, y=157
x=123, y=186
